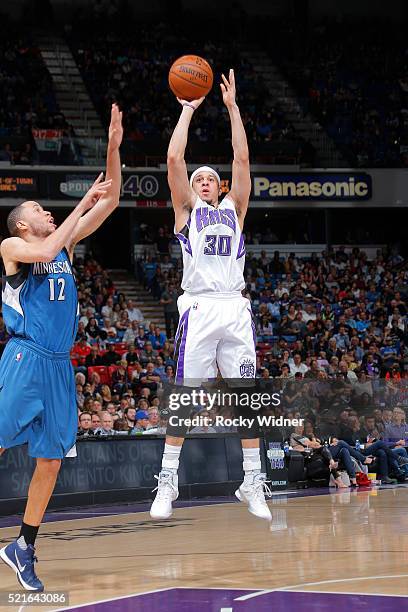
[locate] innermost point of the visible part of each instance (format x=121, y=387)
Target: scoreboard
x=18, y=184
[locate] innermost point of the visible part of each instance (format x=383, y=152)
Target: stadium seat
x=103, y=374
x=111, y=370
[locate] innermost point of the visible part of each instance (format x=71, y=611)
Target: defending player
x=215, y=327
x=40, y=308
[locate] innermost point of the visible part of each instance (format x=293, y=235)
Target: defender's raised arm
x=107, y=204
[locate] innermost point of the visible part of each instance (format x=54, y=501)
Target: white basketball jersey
x=213, y=249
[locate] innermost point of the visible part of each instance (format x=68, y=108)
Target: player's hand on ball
x=228, y=89
x=115, y=127
x=192, y=103
x=97, y=191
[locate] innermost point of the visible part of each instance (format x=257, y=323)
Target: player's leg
x=195, y=350
x=19, y=555
x=236, y=358
x=50, y=436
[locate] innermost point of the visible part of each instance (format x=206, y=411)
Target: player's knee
x=49, y=466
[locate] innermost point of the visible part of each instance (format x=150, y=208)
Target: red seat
x=121, y=346
x=111, y=370
x=130, y=370
x=103, y=374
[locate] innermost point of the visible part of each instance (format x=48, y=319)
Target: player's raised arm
x=106, y=205
x=17, y=249
x=182, y=195
x=241, y=178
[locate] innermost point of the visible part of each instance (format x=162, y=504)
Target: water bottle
x=286, y=447
x=357, y=445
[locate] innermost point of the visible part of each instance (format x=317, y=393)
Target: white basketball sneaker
x=167, y=492
x=253, y=492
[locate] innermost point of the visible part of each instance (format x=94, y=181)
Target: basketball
x=190, y=77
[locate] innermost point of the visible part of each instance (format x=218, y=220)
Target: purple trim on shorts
x=253, y=328
x=241, y=247
x=182, y=348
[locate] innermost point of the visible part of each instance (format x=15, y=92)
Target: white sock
x=252, y=462
x=171, y=456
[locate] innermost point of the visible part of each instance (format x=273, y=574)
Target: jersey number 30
x=217, y=245
x=60, y=282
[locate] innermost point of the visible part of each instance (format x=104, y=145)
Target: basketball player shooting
x=215, y=328
x=40, y=309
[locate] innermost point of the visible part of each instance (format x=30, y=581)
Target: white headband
x=205, y=169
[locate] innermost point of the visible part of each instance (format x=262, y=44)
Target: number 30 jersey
x=40, y=303
x=213, y=249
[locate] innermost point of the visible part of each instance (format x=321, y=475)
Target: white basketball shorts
x=214, y=331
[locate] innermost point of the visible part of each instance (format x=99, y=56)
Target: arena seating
x=27, y=99
x=352, y=77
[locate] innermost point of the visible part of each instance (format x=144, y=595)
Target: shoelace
x=163, y=482
x=262, y=489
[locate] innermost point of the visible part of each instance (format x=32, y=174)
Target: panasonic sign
x=313, y=186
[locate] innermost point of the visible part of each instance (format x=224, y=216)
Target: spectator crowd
x=331, y=339
x=27, y=97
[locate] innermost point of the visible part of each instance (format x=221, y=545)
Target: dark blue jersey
x=40, y=303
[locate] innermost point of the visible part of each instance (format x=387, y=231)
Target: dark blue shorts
x=37, y=400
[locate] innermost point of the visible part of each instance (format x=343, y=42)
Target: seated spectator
x=396, y=431
x=302, y=443
x=87, y=316
x=119, y=379
x=112, y=408
x=94, y=358
x=297, y=365
x=157, y=338
x=131, y=332
x=135, y=314
x=342, y=452
x=121, y=426
x=149, y=378
x=132, y=356
x=95, y=420
x=154, y=420
x=363, y=384
x=123, y=322
x=141, y=422
x=106, y=394
x=93, y=331
x=129, y=415
x=81, y=349
x=141, y=337
x=107, y=310
x=80, y=398
x=85, y=424
x=147, y=353
x=109, y=329
x=170, y=374
x=111, y=357
x=106, y=428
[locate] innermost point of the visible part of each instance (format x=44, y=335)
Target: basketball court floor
x=323, y=550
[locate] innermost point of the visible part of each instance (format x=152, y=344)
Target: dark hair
x=14, y=216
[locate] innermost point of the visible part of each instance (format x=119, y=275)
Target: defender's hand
x=115, y=128
x=98, y=190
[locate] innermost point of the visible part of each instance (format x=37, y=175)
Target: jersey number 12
x=60, y=289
